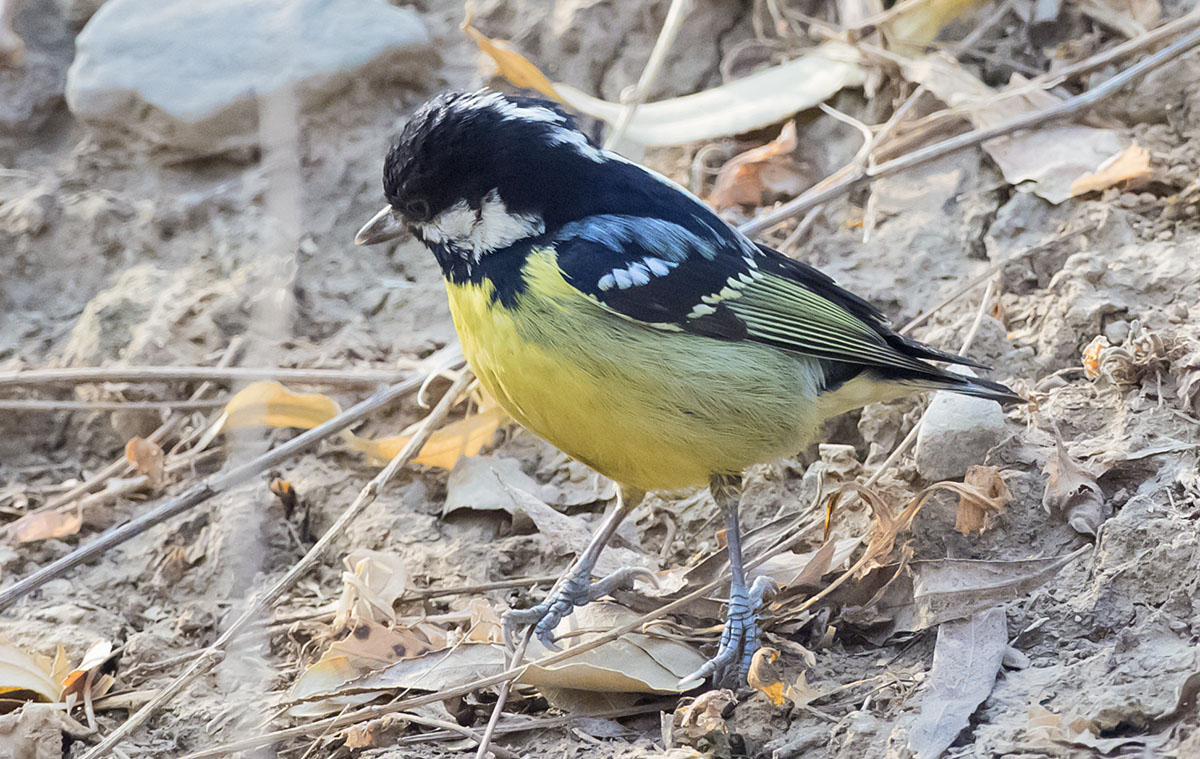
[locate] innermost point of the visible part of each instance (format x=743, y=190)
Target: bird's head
x=472, y=173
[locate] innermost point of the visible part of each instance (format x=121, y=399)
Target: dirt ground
x=108, y=255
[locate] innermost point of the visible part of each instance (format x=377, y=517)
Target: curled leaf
x=147, y=458
x=985, y=495
x=372, y=582
x=24, y=677
x=760, y=175
x=1072, y=492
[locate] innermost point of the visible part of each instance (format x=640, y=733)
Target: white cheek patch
x=479, y=231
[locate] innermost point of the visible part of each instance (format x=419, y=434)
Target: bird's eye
x=417, y=209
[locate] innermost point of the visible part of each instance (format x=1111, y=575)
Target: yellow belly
x=649, y=408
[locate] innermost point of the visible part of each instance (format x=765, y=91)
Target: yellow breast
x=650, y=408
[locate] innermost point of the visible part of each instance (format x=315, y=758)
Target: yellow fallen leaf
x=511, y=65
x=270, y=404
x=764, y=675
x=1132, y=163
x=46, y=525
x=465, y=437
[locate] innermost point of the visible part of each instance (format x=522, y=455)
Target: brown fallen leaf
x=1131, y=165
x=1072, y=492
x=368, y=647
x=976, y=509
x=761, y=175
x=46, y=525
x=147, y=458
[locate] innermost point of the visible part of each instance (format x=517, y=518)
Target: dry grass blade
x=264, y=600
x=83, y=376
x=851, y=176
x=204, y=491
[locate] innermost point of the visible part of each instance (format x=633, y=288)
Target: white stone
x=957, y=432
x=188, y=75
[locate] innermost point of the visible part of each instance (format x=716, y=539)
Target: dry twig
x=264, y=600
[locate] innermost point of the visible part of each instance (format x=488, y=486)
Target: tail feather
x=960, y=383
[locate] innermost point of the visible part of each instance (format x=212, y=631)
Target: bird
x=612, y=313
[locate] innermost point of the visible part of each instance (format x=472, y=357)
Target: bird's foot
x=576, y=589
x=739, y=639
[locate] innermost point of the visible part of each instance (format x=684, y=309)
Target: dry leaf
x=1072, y=492
x=922, y=594
x=485, y=625
x=74, y=683
x=24, y=677
x=975, y=509
x=758, y=176
x=916, y=23
x=46, y=525
x=441, y=670
x=361, y=736
x=966, y=660
x=790, y=569
x=270, y=404
x=510, y=64
x=368, y=647
x=1130, y=165
x=1051, y=157
x=147, y=458
x=372, y=582
x=764, y=675
x=760, y=99
x=634, y=663
x=702, y=716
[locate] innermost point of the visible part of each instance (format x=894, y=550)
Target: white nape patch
x=494, y=101
x=479, y=231
x=637, y=273
x=578, y=143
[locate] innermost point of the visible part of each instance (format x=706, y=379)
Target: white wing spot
x=623, y=279
x=700, y=310
x=607, y=282
x=660, y=267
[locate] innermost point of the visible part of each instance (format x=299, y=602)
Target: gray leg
x=575, y=587
x=740, y=638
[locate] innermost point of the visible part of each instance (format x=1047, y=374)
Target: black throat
x=503, y=268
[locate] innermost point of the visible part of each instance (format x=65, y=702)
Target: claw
x=574, y=590
x=740, y=636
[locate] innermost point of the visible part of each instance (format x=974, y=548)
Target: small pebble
x=1117, y=331
x=1166, y=234
x=957, y=432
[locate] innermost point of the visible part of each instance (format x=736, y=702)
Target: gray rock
x=188, y=76
x=33, y=66
x=956, y=433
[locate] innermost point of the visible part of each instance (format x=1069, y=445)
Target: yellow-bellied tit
x=616, y=316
